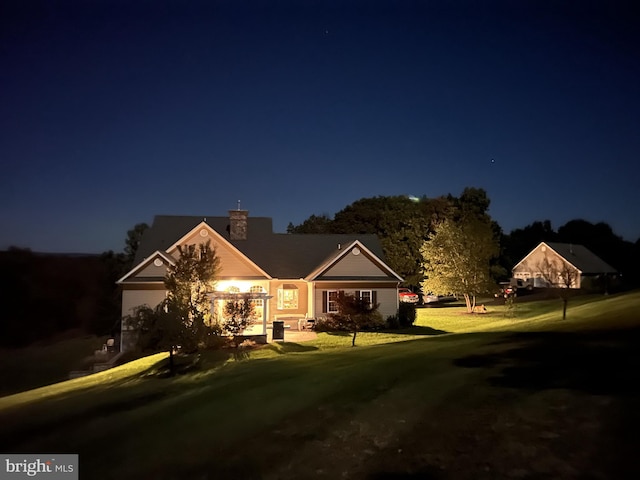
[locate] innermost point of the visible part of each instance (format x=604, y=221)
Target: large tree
x=457, y=259
x=189, y=284
x=184, y=318
x=401, y=223
x=132, y=242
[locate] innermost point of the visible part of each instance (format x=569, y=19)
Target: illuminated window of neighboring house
x=288, y=297
x=257, y=302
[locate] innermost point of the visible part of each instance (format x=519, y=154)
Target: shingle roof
x=581, y=257
x=280, y=255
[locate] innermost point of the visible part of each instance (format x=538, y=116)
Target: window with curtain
x=288, y=297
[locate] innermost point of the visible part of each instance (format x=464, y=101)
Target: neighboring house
x=551, y=259
x=289, y=276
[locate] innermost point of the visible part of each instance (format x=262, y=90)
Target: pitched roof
x=280, y=255
x=579, y=256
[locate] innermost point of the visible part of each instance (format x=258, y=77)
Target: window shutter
x=374, y=298
x=357, y=293
x=324, y=301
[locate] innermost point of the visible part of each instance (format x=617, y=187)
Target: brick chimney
x=238, y=224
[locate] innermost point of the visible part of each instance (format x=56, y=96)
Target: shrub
x=328, y=324
x=406, y=315
x=393, y=323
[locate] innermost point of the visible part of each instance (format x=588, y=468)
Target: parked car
x=430, y=298
x=407, y=296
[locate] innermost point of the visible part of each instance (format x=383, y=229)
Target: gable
x=232, y=262
x=533, y=261
x=354, y=262
x=152, y=269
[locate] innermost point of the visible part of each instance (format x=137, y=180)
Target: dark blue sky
x=114, y=111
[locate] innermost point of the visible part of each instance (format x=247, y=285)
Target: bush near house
x=405, y=317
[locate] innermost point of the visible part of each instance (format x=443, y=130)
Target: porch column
x=265, y=308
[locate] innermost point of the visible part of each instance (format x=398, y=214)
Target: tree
x=522, y=240
x=132, y=243
x=184, y=318
x=189, y=283
x=313, y=224
x=239, y=314
x=401, y=223
x=561, y=275
x=355, y=313
x=457, y=259
x=472, y=203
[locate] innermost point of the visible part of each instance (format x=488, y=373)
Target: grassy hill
x=458, y=396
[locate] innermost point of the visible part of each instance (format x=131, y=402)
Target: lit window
x=257, y=302
x=288, y=297
x=233, y=290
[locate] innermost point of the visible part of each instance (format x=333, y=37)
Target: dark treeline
x=44, y=294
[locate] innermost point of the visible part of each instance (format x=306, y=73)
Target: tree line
x=45, y=294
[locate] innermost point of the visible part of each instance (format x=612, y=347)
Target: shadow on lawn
x=290, y=347
x=415, y=330
x=599, y=362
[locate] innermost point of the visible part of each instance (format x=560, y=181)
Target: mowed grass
x=493, y=397
x=584, y=311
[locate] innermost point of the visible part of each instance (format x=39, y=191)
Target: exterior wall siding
x=134, y=298
x=387, y=295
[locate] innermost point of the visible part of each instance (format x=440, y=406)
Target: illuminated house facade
x=289, y=276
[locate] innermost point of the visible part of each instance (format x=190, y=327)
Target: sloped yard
x=530, y=399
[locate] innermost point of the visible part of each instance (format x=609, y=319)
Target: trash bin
x=278, y=330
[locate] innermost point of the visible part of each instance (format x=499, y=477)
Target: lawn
x=43, y=364
x=457, y=396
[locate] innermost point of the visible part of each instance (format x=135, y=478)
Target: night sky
x=114, y=111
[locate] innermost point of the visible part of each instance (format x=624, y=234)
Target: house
x=553, y=264
x=288, y=276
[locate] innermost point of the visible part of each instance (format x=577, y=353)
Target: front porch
x=292, y=332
